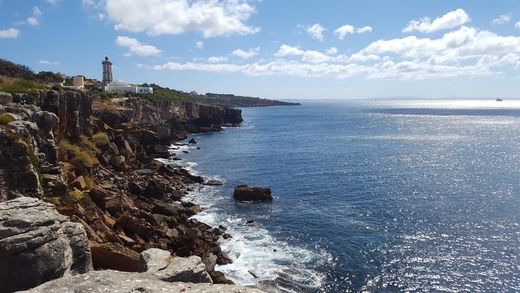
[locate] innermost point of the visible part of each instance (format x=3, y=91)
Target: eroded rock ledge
x=119, y=282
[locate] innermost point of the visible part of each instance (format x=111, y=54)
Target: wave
x=259, y=259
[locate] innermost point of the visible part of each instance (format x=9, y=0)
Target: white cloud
x=9, y=33
x=517, y=25
x=466, y=52
x=52, y=2
x=363, y=30
x=246, y=54
x=502, y=19
x=278, y=67
x=217, y=59
x=47, y=62
x=160, y=17
x=34, y=20
x=332, y=51
x=314, y=57
x=199, y=44
x=449, y=20
x=286, y=50
x=316, y=31
x=342, y=31
x=137, y=48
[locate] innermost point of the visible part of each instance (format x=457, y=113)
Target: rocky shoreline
x=94, y=160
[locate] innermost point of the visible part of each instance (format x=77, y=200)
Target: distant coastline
x=230, y=100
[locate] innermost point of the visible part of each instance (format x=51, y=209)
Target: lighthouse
x=107, y=71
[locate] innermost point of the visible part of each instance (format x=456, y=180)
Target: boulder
x=185, y=269
x=154, y=259
x=79, y=183
x=161, y=151
x=111, y=118
x=251, y=193
x=114, y=281
x=114, y=256
x=192, y=141
x=19, y=97
x=45, y=120
x=213, y=182
x=37, y=244
x=5, y=98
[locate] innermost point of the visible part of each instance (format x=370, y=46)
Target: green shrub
x=5, y=119
x=100, y=139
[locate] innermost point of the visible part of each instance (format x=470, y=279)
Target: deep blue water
x=370, y=195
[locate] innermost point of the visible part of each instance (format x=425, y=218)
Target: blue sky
x=277, y=49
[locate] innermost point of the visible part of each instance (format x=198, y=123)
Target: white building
x=120, y=87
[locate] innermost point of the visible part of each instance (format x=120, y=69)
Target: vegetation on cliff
x=229, y=100
x=161, y=94
x=19, y=71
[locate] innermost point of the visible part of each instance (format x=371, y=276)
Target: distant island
x=230, y=100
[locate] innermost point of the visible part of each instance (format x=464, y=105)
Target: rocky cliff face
x=171, y=120
x=73, y=110
x=97, y=167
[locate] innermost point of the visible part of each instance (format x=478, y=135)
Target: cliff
x=94, y=161
x=171, y=120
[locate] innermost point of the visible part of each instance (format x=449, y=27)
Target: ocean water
x=378, y=196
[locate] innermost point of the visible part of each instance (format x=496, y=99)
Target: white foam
x=254, y=251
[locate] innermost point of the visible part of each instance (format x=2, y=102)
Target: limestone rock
x=45, y=120
x=213, y=182
x=5, y=98
x=119, y=282
x=185, y=269
x=250, y=193
x=154, y=259
x=37, y=245
x=114, y=256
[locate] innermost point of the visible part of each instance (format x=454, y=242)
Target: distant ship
x=499, y=100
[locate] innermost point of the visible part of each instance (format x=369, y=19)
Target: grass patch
x=89, y=181
x=34, y=159
x=5, y=119
x=100, y=139
x=89, y=144
x=79, y=157
x=75, y=195
x=55, y=200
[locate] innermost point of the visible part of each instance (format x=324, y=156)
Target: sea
x=369, y=195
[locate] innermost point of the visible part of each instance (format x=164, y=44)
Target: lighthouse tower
x=107, y=71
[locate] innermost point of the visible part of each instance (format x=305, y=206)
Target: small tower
x=107, y=71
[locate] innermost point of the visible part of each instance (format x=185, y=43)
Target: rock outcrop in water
x=251, y=193
x=37, y=245
x=96, y=163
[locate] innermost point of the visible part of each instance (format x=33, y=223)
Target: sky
x=290, y=49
